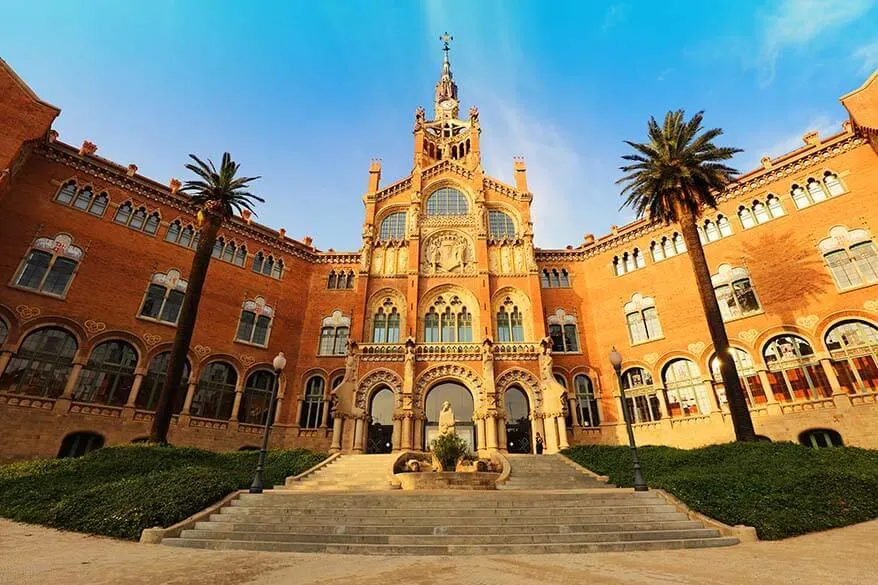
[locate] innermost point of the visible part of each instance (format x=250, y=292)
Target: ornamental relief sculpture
x=507, y=258
x=447, y=253
x=390, y=259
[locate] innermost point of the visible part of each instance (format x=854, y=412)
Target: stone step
x=447, y=521
x=404, y=529
x=444, y=539
x=451, y=549
x=472, y=512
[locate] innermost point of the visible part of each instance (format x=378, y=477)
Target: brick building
x=446, y=301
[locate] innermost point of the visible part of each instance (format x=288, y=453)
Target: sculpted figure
x=435, y=257
x=554, y=394
x=446, y=419
x=342, y=396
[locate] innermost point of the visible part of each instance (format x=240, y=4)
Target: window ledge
x=41, y=293
x=157, y=321
x=816, y=203
x=330, y=355
x=747, y=316
x=250, y=343
x=647, y=341
x=555, y=352
x=856, y=288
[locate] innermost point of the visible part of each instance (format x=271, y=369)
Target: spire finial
x=446, y=38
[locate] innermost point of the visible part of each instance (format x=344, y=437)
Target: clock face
x=446, y=104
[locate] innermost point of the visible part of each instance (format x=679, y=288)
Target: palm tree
x=217, y=194
x=671, y=179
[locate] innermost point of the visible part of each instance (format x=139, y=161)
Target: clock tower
x=446, y=104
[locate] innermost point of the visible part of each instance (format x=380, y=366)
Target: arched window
x=349, y=284
x=78, y=444
x=50, y=265
x=137, y=219
x=586, y=403
x=815, y=190
x=164, y=297
x=734, y=292
x=556, y=278
x=821, y=438
x=218, y=246
x=725, y=228
x=277, y=271
x=334, y=334
x=639, y=260
x=642, y=319
x=655, y=249
x=151, y=387
x=240, y=256
x=453, y=324
x=641, y=395
x=228, y=252
x=562, y=330
x=464, y=326
x=41, y=365
x=332, y=280
x=746, y=217
x=393, y=226
x=447, y=325
x=4, y=331
x=447, y=201
x=687, y=394
x=66, y=193
x=431, y=326
x=186, y=237
x=853, y=346
x=379, y=327
x=500, y=225
x=258, y=261
x=385, y=325
x=215, y=393
x=833, y=185
x=83, y=199
x=255, y=322
x=668, y=247
x=679, y=244
x=774, y=206
x=152, y=223
x=544, y=279
x=800, y=198
x=173, y=233
x=711, y=231
x=312, y=405
x=850, y=256
x=109, y=374
x=761, y=212
x=256, y=400
x=99, y=205
x=746, y=374
x=793, y=372
x=628, y=259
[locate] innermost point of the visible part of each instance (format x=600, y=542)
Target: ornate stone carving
x=151, y=339
x=448, y=252
x=377, y=378
x=808, y=321
x=27, y=312
x=201, y=350
x=651, y=358
x=749, y=335
x=62, y=245
x=247, y=360
x=94, y=327
x=696, y=348
x=452, y=371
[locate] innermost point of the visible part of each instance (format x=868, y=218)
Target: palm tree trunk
x=741, y=420
x=185, y=328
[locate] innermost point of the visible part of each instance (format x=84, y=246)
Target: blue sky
x=306, y=93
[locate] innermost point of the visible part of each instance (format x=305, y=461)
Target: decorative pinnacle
x=446, y=38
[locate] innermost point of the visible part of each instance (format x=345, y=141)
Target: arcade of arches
x=447, y=298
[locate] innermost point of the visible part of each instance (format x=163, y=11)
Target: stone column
x=502, y=438
x=280, y=403
x=538, y=427
x=574, y=412
x=299, y=404
x=239, y=394
x=766, y=386
x=481, y=436
x=826, y=363
x=336, y=434
x=395, y=441
x=562, y=432
x=551, y=435
x=711, y=395
x=358, y=435
x=135, y=387
x=324, y=419
x=71, y=381
x=491, y=432
x=190, y=395
x=407, y=432
x=418, y=440
x=5, y=356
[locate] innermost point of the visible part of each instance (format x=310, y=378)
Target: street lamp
x=279, y=363
x=639, y=482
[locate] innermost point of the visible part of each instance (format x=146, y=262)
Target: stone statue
x=554, y=394
x=342, y=396
x=446, y=419
x=435, y=257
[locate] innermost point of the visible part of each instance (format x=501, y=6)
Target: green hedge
x=781, y=489
x=119, y=491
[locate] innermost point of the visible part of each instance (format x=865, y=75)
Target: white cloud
x=868, y=56
x=822, y=123
x=798, y=23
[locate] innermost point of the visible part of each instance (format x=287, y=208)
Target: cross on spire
x=446, y=38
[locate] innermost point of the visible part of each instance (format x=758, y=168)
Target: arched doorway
x=518, y=427
x=461, y=403
x=379, y=438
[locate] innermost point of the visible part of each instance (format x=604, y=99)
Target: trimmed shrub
x=448, y=448
x=781, y=489
x=119, y=491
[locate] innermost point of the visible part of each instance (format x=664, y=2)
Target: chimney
x=812, y=138
x=520, y=173
x=766, y=162
x=588, y=239
x=53, y=135
x=174, y=185
x=245, y=215
x=374, y=175
x=132, y=170
x=282, y=233
x=308, y=240
x=88, y=148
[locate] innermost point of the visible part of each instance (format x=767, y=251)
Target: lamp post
x=279, y=363
x=639, y=482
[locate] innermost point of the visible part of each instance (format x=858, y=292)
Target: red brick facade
x=446, y=251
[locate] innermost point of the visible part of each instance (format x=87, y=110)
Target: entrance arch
x=462, y=404
x=518, y=428
x=379, y=435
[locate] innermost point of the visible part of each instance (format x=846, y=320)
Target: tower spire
x=446, y=103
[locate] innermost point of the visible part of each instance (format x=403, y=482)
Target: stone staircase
x=348, y=473
x=569, y=516
x=547, y=472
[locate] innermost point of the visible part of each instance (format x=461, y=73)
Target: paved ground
x=35, y=555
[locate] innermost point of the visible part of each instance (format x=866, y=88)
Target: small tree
x=448, y=448
x=218, y=195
